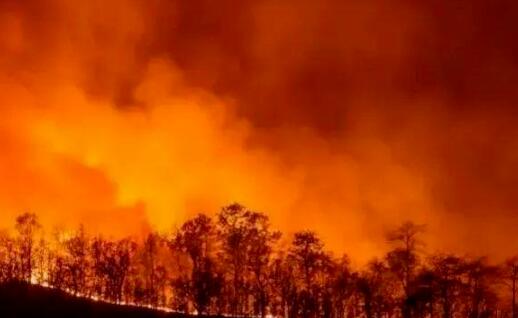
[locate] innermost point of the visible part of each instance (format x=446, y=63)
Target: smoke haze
x=345, y=117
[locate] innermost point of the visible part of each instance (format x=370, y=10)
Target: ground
x=21, y=300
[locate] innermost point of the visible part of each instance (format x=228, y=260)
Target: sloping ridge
x=22, y=300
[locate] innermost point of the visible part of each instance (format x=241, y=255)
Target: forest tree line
x=233, y=264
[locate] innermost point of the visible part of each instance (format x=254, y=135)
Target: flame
x=132, y=115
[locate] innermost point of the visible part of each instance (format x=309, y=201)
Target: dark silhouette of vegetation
x=236, y=264
x=17, y=299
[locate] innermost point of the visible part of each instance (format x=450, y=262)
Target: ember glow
x=342, y=117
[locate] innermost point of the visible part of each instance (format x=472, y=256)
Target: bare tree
x=376, y=288
x=112, y=261
x=282, y=274
x=76, y=260
x=233, y=230
x=510, y=278
x=480, y=281
x=449, y=271
x=308, y=256
x=343, y=282
x=42, y=254
x=260, y=242
x=403, y=259
x=196, y=238
x=151, y=273
x=8, y=258
x=27, y=226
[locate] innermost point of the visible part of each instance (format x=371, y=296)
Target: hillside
x=21, y=300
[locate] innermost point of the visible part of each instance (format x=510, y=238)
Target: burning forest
x=127, y=124
x=234, y=264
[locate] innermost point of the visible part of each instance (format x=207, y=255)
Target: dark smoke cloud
x=431, y=86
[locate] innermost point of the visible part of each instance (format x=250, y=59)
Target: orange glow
x=126, y=115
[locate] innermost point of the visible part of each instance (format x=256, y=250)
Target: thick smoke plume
x=346, y=117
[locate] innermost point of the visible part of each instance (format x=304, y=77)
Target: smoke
x=345, y=118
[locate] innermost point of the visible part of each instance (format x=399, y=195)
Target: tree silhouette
x=448, y=271
x=234, y=231
x=234, y=264
x=403, y=259
x=309, y=259
x=151, y=271
x=76, y=262
x=375, y=287
x=510, y=278
x=481, y=277
x=282, y=275
x=196, y=238
x=111, y=264
x=247, y=244
x=27, y=226
x=8, y=258
x=342, y=286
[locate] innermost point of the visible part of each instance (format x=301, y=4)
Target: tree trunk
x=514, y=298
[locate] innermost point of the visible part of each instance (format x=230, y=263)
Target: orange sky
x=345, y=118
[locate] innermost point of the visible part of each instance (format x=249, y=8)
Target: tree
x=260, y=247
x=342, y=286
x=233, y=232
x=376, y=288
x=27, y=226
x=76, y=262
x=196, y=238
x=234, y=266
x=42, y=258
x=247, y=243
x=307, y=255
x=448, y=271
x=112, y=261
x=510, y=278
x=282, y=275
x=8, y=258
x=403, y=259
x=423, y=298
x=480, y=280
x=151, y=268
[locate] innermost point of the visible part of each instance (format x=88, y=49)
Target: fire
x=132, y=115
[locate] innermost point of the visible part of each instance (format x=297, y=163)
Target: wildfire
x=337, y=117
